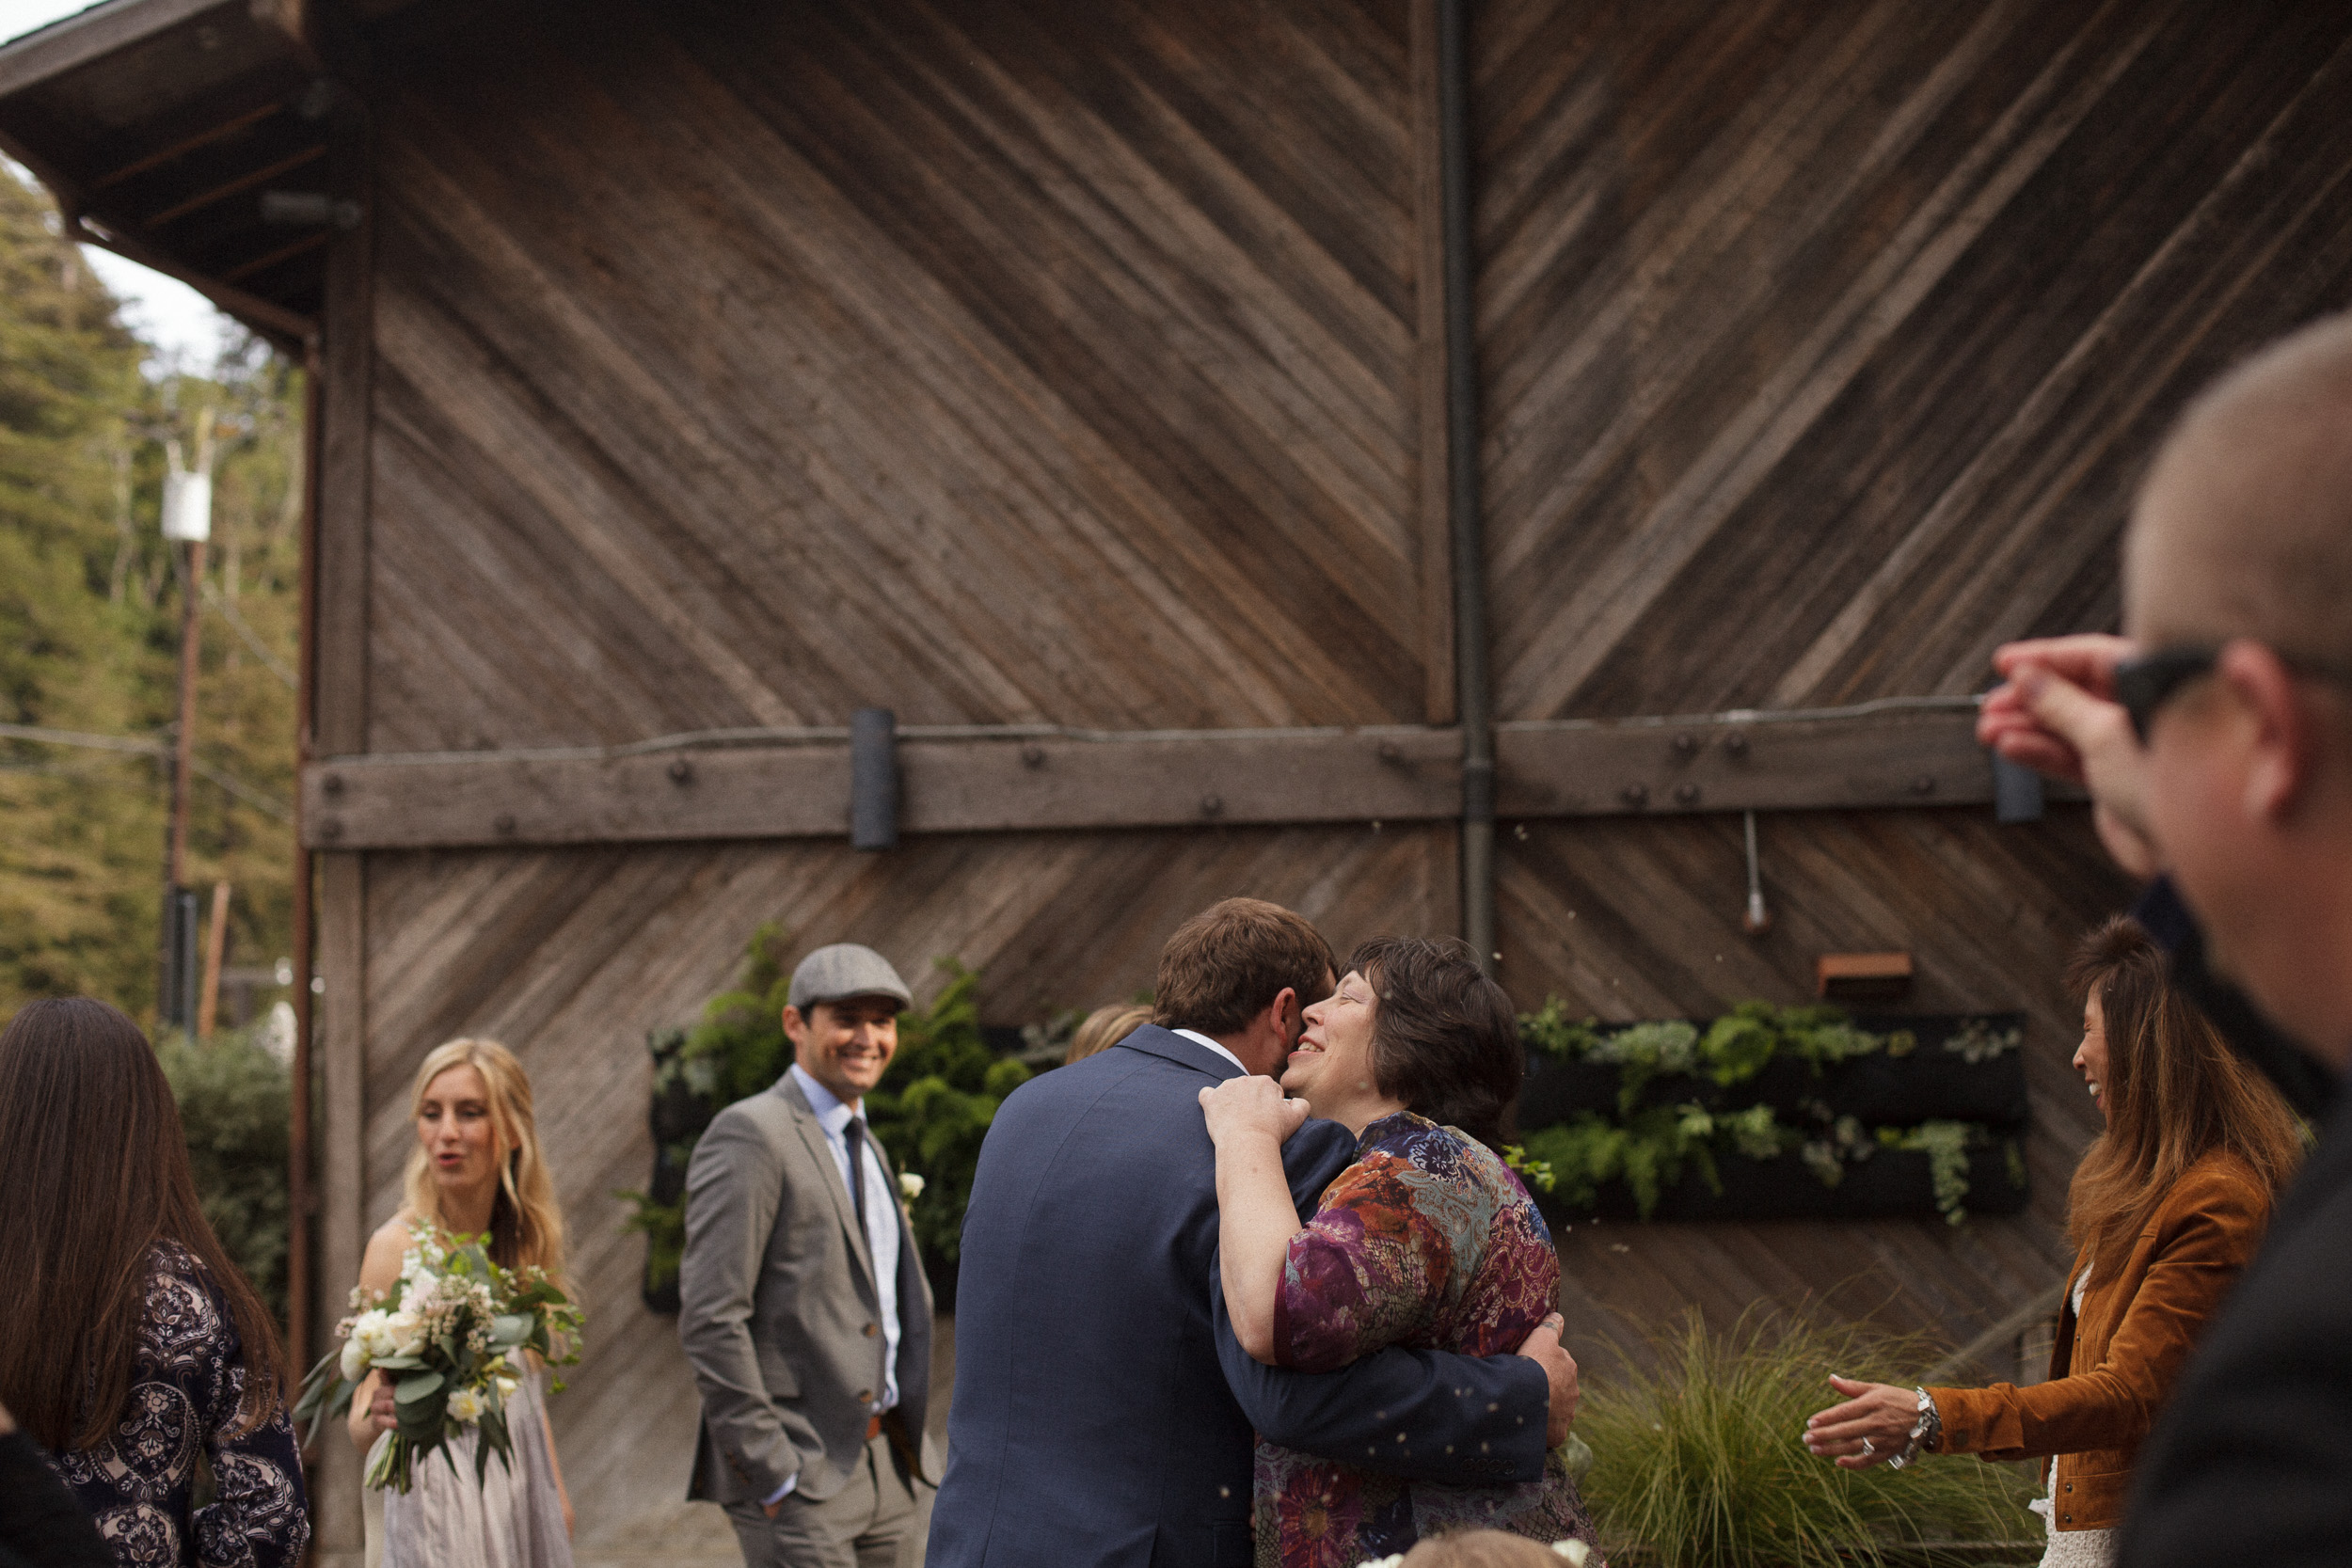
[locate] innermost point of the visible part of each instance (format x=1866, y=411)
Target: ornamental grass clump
x=1698, y=1464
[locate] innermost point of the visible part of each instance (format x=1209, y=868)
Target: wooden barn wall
x=705, y=366
x=746, y=366
x=1821, y=345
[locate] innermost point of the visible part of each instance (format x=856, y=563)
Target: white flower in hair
x=1574, y=1551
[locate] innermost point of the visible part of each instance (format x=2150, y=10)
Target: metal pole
x=298, y=1130
x=1473, y=696
x=184, y=743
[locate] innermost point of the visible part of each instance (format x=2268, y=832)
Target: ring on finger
x=1868, y=1448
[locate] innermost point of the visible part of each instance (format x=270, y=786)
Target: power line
x=259, y=799
x=219, y=601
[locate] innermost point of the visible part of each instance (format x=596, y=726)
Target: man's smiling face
x=845, y=1045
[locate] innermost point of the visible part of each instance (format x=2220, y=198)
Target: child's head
x=1490, y=1548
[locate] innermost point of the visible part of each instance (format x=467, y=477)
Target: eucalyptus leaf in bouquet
x=452, y=1334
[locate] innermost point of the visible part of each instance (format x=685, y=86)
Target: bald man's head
x=2244, y=526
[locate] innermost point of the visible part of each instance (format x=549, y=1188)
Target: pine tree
x=89, y=616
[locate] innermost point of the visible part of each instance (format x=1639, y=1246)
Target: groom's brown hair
x=1225, y=964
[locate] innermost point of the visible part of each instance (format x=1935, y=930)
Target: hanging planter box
x=1927, y=1082
x=1892, y=1183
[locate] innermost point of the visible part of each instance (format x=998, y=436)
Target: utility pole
x=187, y=520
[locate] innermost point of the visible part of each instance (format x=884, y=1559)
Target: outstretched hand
x=2056, y=713
x=1872, y=1426
x=1543, y=1348
x=1250, y=1106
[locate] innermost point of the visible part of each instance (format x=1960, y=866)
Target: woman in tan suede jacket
x=2167, y=1208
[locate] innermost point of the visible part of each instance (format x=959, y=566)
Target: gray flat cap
x=844, y=970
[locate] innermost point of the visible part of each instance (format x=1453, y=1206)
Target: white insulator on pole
x=187, y=506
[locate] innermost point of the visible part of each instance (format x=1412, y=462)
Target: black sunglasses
x=2145, y=684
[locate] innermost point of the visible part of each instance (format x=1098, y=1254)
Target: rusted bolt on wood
x=505, y=826
x=1033, y=755
x=1686, y=795
x=1686, y=746
x=681, y=771
x=332, y=783
x=1390, y=753
x=1212, y=805
x=1736, y=743
x=1923, y=785
x=1635, y=794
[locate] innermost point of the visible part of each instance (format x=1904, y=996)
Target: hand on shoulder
x=1250, y=1106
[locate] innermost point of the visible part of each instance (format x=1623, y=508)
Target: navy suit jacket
x=1103, y=1412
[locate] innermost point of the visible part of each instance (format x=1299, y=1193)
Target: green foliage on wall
x=234, y=1101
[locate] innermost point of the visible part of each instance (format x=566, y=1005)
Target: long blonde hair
x=525, y=1227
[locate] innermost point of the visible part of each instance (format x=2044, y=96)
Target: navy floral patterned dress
x=186, y=1381
x=1428, y=1240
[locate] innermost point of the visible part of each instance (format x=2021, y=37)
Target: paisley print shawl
x=187, y=1380
x=1427, y=1242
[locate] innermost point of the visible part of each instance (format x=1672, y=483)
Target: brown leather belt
x=873, y=1428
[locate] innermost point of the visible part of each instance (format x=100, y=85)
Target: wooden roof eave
x=58, y=84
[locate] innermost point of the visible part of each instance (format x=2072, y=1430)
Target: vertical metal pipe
x=1474, y=697
x=298, y=1128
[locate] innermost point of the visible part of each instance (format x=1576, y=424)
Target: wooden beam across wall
x=1000, y=783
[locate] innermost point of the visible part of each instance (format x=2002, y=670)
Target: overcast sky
x=181, y=323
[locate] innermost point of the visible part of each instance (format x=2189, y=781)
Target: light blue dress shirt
x=882, y=1229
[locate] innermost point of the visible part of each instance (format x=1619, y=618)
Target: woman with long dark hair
x=132, y=1346
x=2168, y=1207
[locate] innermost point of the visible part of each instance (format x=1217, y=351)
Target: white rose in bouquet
x=466, y=1407
x=402, y=1334
x=360, y=1345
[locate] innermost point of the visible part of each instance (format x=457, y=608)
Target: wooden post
x=215, y=949
x=184, y=754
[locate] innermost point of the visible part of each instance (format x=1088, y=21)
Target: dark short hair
x=1225, y=964
x=1445, y=1038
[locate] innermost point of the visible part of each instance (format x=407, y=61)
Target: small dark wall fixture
x=874, y=779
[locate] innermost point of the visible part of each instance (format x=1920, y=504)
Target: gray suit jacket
x=778, y=1310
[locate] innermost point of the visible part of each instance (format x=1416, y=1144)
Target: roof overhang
x=190, y=135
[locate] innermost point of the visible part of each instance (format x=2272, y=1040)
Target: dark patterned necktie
x=857, y=1172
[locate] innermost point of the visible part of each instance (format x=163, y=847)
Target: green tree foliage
x=235, y=1098
x=89, y=620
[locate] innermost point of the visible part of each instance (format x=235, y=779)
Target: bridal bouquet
x=450, y=1335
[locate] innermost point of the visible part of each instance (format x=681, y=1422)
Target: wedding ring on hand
x=1868, y=1448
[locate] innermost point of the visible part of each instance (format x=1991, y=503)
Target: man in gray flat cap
x=802, y=1306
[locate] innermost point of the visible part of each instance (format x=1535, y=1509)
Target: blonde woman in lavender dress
x=476, y=1170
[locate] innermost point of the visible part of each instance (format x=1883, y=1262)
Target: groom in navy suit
x=1104, y=1412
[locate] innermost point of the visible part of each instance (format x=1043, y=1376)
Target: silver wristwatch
x=1924, y=1432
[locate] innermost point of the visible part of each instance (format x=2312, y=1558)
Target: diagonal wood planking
x=1821, y=344
x=999, y=363
x=1821, y=347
